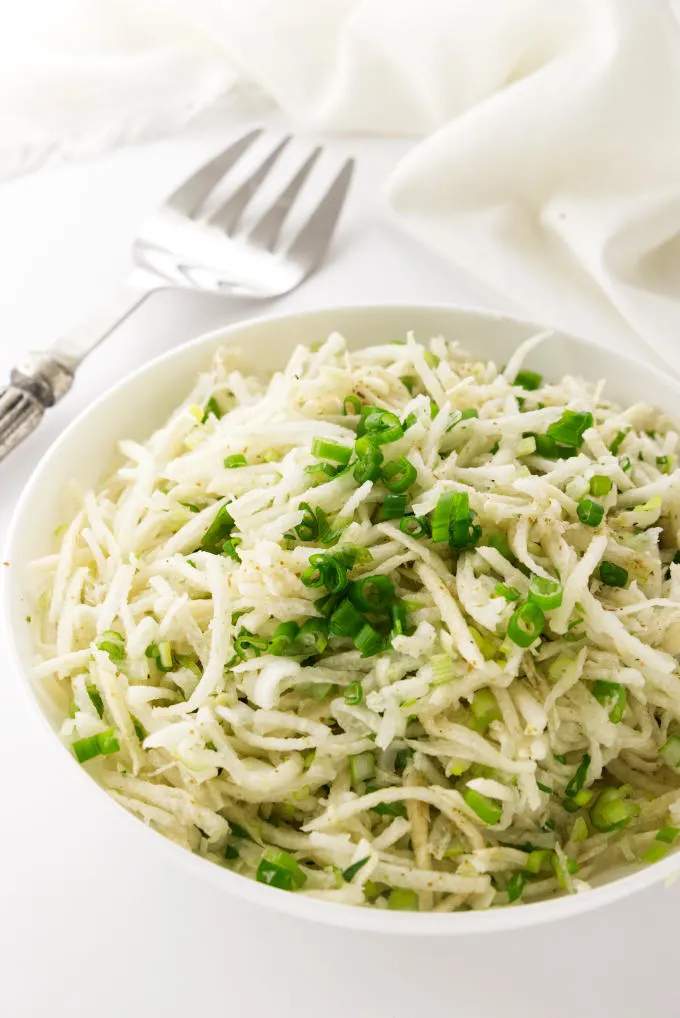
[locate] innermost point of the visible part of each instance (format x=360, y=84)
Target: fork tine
x=190, y=195
x=311, y=243
x=228, y=214
x=266, y=231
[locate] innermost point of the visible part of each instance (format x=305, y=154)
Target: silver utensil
x=196, y=240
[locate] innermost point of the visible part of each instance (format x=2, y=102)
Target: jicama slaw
x=393, y=628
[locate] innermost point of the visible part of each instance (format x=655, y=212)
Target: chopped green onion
x=560, y=759
x=431, y=359
x=331, y=451
x=664, y=463
x=398, y=616
x=283, y=640
x=549, y=448
x=462, y=415
x=238, y=460
x=570, y=428
x=667, y=834
x=164, y=657
x=408, y=382
x=484, y=707
x=402, y=759
x=361, y=767
x=526, y=625
x=616, y=444
x=577, y=781
x=441, y=517
x=546, y=593
x=414, y=526
x=398, y=475
x=538, y=860
x=346, y=620
x=486, y=809
x=579, y=831
x=655, y=853
x=670, y=751
x=352, y=870
x=372, y=593
x=354, y=694
x=434, y=409
x=612, y=809
x=600, y=485
x=279, y=869
x=368, y=466
x=442, y=669
x=113, y=644
x=308, y=528
x=611, y=695
x=229, y=548
x=509, y=593
x=211, y=407
x=403, y=899
x=624, y=463
x=239, y=832
x=383, y=426
x=516, y=886
x=96, y=700
x=529, y=380
x=218, y=531
x=313, y=637
x=369, y=641
x=613, y=575
x=589, y=512
x=246, y=641
x=325, y=571
x=544, y=788
x=393, y=508
x=582, y=797
x=354, y=405
x=101, y=744
x=389, y=809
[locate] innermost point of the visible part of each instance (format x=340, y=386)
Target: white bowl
x=141, y=402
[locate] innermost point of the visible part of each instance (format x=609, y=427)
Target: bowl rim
x=522, y=916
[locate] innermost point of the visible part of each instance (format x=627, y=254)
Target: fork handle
x=37, y=383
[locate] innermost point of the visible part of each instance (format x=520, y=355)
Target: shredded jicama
x=500, y=719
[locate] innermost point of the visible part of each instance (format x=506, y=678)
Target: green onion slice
x=570, y=428
x=403, y=899
x=279, y=869
x=527, y=624
x=589, y=512
x=394, y=507
x=354, y=694
x=101, y=744
x=611, y=695
x=326, y=450
x=509, y=593
x=237, y=460
x=529, y=380
x=398, y=475
x=546, y=593
x=600, y=485
x=372, y=593
x=488, y=810
x=613, y=575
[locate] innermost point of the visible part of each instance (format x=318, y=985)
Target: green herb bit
x=611, y=695
x=279, y=869
x=613, y=575
x=577, y=781
x=362, y=767
x=354, y=868
x=218, y=532
x=667, y=834
x=570, y=428
x=101, y=744
x=403, y=899
x=509, y=593
x=529, y=380
x=113, y=644
x=600, y=485
x=546, y=593
x=211, y=407
x=326, y=450
x=488, y=810
x=354, y=694
x=670, y=751
x=526, y=625
x=655, y=853
x=237, y=460
x=613, y=809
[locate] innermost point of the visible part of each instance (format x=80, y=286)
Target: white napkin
x=550, y=165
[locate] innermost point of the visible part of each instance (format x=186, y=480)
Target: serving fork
x=197, y=240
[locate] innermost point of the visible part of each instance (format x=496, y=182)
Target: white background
x=92, y=920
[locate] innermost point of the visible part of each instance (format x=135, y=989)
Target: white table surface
x=88, y=924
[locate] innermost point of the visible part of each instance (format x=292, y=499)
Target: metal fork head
x=199, y=238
